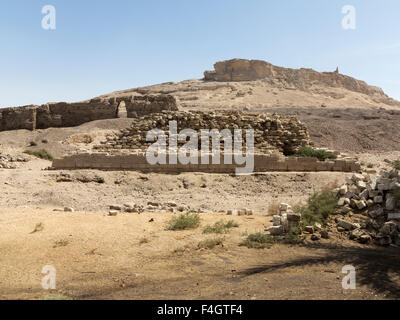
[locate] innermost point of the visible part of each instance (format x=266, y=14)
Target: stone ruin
x=368, y=210
x=370, y=206
x=64, y=114
x=283, y=134
x=274, y=136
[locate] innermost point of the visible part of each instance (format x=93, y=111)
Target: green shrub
x=320, y=205
x=258, y=241
x=39, y=227
x=184, y=221
x=293, y=236
x=211, y=243
x=396, y=164
x=42, y=154
x=61, y=243
x=314, y=153
x=221, y=227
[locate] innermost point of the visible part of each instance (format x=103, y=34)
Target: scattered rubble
x=80, y=177
x=152, y=206
x=10, y=162
x=286, y=221
x=370, y=207
x=240, y=212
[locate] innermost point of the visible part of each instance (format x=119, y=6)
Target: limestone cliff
x=303, y=79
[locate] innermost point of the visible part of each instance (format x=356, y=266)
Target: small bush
x=319, y=207
x=60, y=243
x=39, y=227
x=258, y=241
x=184, y=221
x=396, y=164
x=314, y=153
x=221, y=227
x=210, y=243
x=293, y=236
x=370, y=165
x=32, y=144
x=42, y=154
x=45, y=141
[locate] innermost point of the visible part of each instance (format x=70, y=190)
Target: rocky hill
x=258, y=85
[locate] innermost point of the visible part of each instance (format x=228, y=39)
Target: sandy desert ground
x=102, y=257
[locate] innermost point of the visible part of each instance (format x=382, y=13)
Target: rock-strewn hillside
x=257, y=85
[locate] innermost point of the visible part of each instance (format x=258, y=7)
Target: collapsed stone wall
x=249, y=70
x=64, y=114
x=272, y=132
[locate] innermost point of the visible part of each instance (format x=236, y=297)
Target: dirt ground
x=101, y=257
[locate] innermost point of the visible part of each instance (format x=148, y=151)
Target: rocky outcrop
x=249, y=70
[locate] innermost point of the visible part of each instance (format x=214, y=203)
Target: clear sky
x=102, y=46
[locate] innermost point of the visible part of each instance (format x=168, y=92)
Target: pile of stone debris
x=288, y=220
x=152, y=206
x=371, y=207
x=368, y=211
x=272, y=132
x=10, y=162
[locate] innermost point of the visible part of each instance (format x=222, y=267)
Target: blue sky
x=103, y=46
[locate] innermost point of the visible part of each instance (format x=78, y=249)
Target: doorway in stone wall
x=122, y=113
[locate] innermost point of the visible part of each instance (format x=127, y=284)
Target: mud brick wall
x=272, y=132
x=56, y=115
x=64, y=114
x=138, y=106
x=18, y=118
x=138, y=162
x=73, y=114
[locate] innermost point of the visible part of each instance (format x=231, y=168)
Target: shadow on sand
x=375, y=267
